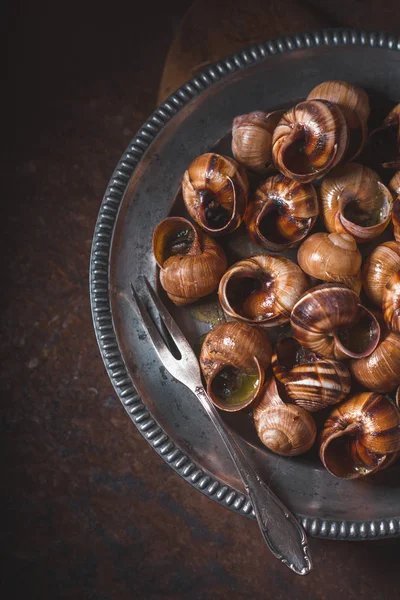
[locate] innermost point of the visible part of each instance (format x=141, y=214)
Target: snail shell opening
x=360, y=436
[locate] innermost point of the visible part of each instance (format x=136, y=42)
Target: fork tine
x=151, y=329
x=180, y=340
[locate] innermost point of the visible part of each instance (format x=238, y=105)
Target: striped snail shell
x=330, y=321
x=309, y=140
x=282, y=213
x=355, y=201
x=380, y=371
x=360, y=436
x=285, y=429
x=214, y=189
x=233, y=359
x=380, y=266
x=191, y=263
x=309, y=381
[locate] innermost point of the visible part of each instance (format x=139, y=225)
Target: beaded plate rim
x=179, y=461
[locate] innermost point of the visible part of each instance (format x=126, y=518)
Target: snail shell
x=380, y=371
x=360, y=436
x=262, y=289
x=394, y=186
x=252, y=139
x=355, y=201
x=191, y=263
x=391, y=303
x=283, y=428
x=385, y=141
x=309, y=140
x=379, y=267
x=282, y=213
x=354, y=104
x=332, y=257
x=214, y=189
x=233, y=359
x=310, y=382
x=330, y=321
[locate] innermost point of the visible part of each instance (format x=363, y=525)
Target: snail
x=385, y=140
x=354, y=104
x=332, y=257
x=355, y=201
x=380, y=371
x=233, y=359
x=252, y=139
x=360, y=436
x=309, y=381
x=309, y=140
x=191, y=263
x=394, y=186
x=214, y=189
x=262, y=289
x=285, y=429
x=282, y=213
x=391, y=303
x=379, y=267
x=330, y=321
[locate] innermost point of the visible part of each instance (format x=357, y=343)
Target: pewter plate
x=142, y=191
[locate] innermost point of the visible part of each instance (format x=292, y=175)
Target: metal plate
x=139, y=196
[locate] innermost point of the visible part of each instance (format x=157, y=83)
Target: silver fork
x=281, y=531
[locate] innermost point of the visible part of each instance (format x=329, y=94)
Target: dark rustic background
x=89, y=509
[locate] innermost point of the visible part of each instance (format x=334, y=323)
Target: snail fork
x=281, y=531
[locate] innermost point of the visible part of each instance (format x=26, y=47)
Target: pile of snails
x=342, y=353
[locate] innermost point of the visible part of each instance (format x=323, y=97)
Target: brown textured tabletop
x=89, y=509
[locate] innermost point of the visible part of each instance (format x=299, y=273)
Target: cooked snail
x=394, y=186
x=215, y=191
x=379, y=267
x=385, y=141
x=380, y=371
x=332, y=257
x=309, y=381
x=252, y=139
x=283, y=428
x=354, y=104
x=282, y=213
x=191, y=263
x=330, y=321
x=391, y=303
x=262, y=289
x=309, y=140
x=355, y=201
x=233, y=359
x=360, y=436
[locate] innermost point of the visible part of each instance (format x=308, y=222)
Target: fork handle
x=281, y=531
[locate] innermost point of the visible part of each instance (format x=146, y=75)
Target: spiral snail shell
x=309, y=140
x=330, y=321
x=309, y=381
x=360, y=436
x=285, y=429
x=191, y=263
x=233, y=359
x=214, y=189
x=379, y=267
x=354, y=104
x=355, y=201
x=252, y=139
x=332, y=257
x=380, y=371
x=262, y=289
x=282, y=213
